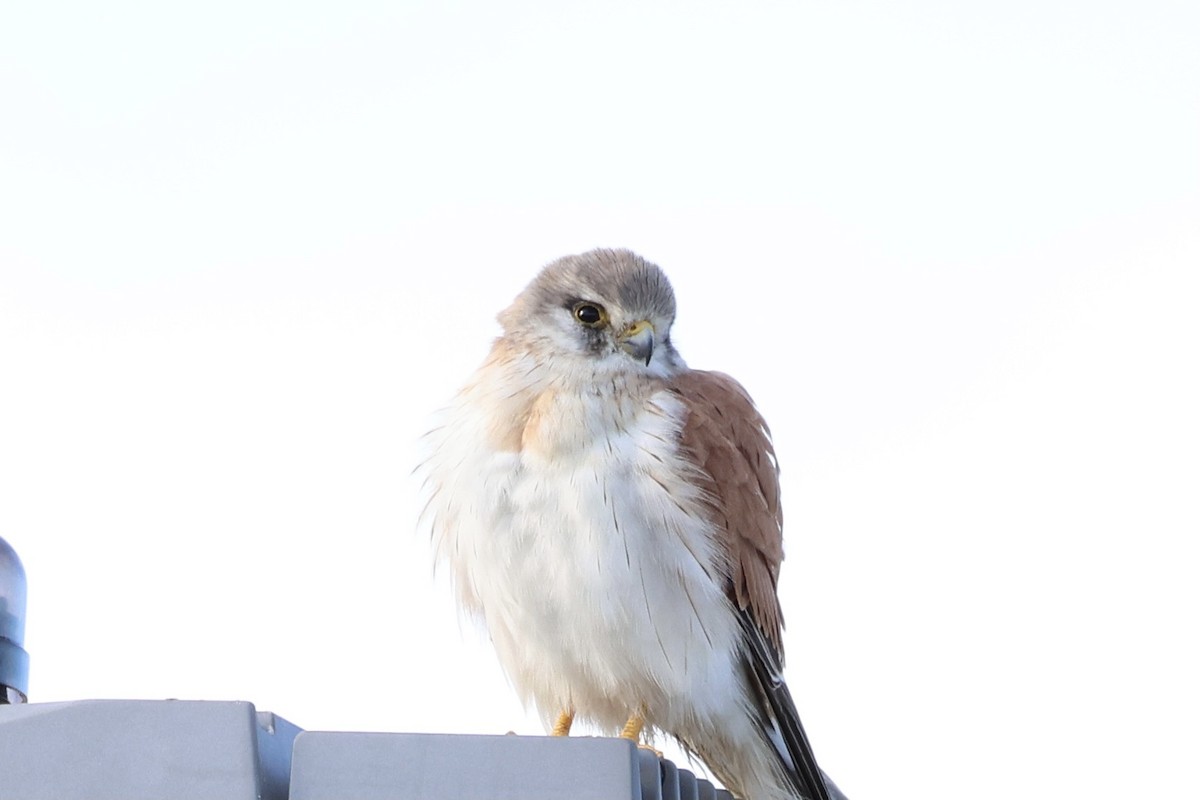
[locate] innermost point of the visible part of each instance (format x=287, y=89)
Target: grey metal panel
x=190, y=750
x=651, y=776
x=275, y=739
x=403, y=766
x=142, y=750
x=688, y=789
x=669, y=775
x=663, y=780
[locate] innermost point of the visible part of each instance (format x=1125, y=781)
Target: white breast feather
x=587, y=555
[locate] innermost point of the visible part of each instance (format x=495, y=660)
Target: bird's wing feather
x=730, y=445
x=728, y=441
x=781, y=718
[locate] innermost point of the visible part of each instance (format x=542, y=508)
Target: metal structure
x=14, y=661
x=205, y=750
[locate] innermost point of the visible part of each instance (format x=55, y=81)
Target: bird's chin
x=637, y=353
x=630, y=366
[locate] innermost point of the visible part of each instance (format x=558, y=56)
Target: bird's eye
x=590, y=314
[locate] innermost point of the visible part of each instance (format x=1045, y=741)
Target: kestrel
x=613, y=517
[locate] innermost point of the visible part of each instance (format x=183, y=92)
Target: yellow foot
x=633, y=732
x=633, y=728
x=562, y=727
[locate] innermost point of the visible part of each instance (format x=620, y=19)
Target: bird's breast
x=589, y=554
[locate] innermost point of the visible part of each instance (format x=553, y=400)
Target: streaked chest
x=595, y=501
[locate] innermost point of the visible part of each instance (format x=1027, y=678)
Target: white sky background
x=953, y=250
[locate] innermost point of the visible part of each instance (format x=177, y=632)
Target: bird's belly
x=603, y=593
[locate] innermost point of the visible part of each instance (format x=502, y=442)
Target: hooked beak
x=638, y=341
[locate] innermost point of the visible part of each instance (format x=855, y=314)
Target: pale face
x=607, y=311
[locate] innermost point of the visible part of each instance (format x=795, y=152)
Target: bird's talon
x=562, y=726
x=633, y=728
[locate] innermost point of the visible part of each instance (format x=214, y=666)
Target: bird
x=613, y=518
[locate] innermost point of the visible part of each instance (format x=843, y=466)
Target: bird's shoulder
x=729, y=442
x=525, y=402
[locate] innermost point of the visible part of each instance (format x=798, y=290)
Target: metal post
x=14, y=661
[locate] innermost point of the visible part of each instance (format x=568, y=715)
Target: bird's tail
x=781, y=722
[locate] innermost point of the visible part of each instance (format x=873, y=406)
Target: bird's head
x=609, y=309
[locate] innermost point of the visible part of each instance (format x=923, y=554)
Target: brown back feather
x=730, y=444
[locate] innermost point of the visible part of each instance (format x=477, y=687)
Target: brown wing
x=730, y=443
